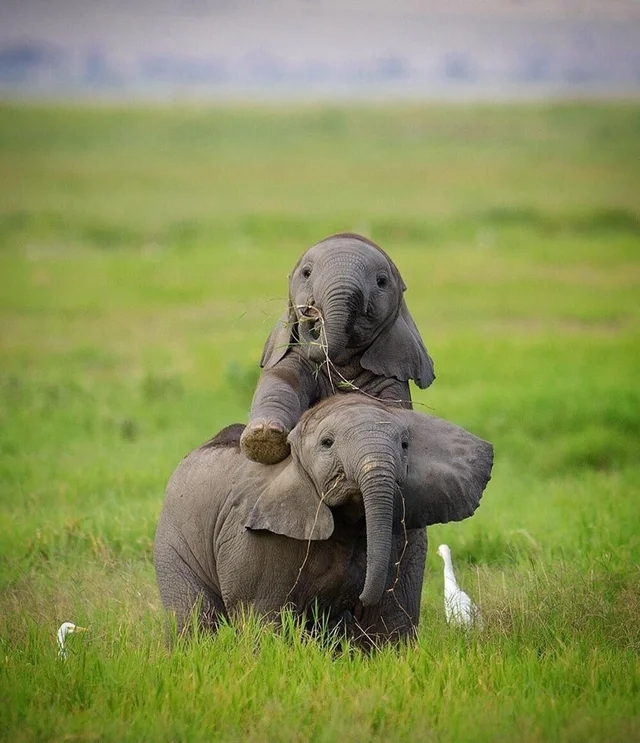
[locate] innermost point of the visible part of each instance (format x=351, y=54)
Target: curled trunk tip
x=378, y=506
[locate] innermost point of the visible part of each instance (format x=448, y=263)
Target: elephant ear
x=399, y=352
x=448, y=471
x=290, y=506
x=279, y=340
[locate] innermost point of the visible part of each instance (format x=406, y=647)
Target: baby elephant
x=347, y=328
x=337, y=527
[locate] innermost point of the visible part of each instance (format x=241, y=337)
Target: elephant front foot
x=343, y=624
x=265, y=441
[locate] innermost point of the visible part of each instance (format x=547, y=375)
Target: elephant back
x=228, y=437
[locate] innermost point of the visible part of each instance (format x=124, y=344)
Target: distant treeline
x=37, y=66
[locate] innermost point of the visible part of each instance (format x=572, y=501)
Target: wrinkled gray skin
x=347, y=327
x=329, y=524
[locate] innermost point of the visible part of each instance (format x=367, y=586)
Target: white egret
x=66, y=628
x=459, y=609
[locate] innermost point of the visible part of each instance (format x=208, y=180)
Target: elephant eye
x=405, y=445
x=306, y=272
x=326, y=442
x=381, y=281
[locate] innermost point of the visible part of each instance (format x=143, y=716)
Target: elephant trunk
x=377, y=484
x=339, y=303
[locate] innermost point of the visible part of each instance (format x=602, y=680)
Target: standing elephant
x=332, y=527
x=347, y=328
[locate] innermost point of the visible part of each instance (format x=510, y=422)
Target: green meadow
x=144, y=255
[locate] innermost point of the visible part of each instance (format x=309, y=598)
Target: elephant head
x=352, y=450
x=346, y=302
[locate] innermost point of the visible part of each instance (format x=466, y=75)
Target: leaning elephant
x=338, y=526
x=346, y=328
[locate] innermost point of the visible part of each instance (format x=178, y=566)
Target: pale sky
x=327, y=29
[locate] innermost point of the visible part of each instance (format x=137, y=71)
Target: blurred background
x=306, y=49
x=162, y=167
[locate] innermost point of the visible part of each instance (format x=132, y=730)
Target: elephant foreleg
x=392, y=391
x=283, y=393
x=397, y=615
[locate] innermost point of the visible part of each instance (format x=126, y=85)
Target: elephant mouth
x=311, y=325
x=340, y=489
x=314, y=330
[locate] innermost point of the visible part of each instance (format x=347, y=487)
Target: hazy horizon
x=208, y=45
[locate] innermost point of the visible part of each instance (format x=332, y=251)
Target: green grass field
x=144, y=255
